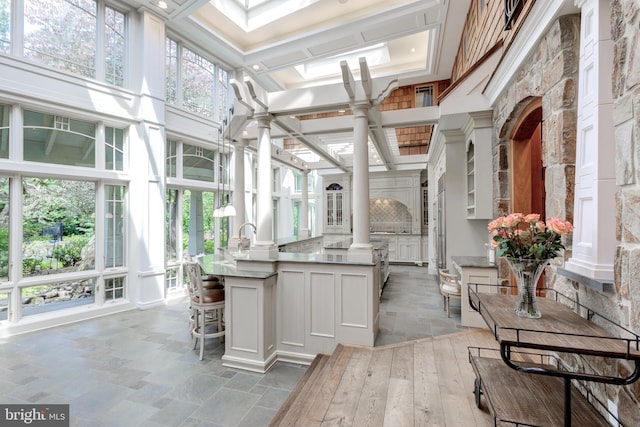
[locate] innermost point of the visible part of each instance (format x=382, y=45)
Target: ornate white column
x=147, y=188
x=594, y=236
x=304, y=231
x=238, y=192
x=361, y=248
x=264, y=246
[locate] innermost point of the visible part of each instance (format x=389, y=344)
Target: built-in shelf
x=584, y=280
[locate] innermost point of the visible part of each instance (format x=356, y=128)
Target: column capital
x=264, y=119
x=360, y=109
x=241, y=143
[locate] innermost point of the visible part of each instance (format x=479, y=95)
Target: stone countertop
x=294, y=239
x=473, y=261
x=302, y=258
x=222, y=267
x=345, y=244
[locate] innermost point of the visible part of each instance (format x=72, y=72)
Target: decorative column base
x=268, y=251
x=360, y=252
x=304, y=232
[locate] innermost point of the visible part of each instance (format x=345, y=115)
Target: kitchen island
x=294, y=306
x=380, y=247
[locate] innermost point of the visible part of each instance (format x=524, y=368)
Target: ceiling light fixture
x=162, y=4
x=229, y=209
x=256, y=67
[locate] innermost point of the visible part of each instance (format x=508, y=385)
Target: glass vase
x=527, y=273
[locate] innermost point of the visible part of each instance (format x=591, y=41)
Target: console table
x=535, y=387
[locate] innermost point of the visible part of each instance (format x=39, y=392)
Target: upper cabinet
x=337, y=205
x=479, y=167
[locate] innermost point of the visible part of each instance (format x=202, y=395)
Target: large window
x=5, y=26
x=4, y=306
x=4, y=130
x=114, y=289
x=51, y=24
x=114, y=46
x=114, y=149
x=171, y=225
x=297, y=188
x=171, y=158
x=195, y=83
x=50, y=138
x=424, y=96
x=114, y=232
x=198, y=163
x=67, y=294
x=297, y=212
x=198, y=223
x=58, y=226
x=4, y=229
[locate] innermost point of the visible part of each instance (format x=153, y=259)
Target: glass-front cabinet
x=334, y=205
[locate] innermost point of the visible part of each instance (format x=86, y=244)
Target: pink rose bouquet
x=525, y=236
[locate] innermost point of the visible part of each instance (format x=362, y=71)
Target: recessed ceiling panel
x=334, y=45
x=282, y=60
x=391, y=29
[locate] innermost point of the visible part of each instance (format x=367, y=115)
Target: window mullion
x=100, y=40
x=17, y=28
x=179, y=85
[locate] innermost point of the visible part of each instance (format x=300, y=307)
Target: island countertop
x=218, y=266
x=345, y=244
x=473, y=261
x=221, y=266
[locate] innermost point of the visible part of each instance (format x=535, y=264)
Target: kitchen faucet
x=255, y=231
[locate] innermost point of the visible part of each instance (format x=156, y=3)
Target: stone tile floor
x=137, y=368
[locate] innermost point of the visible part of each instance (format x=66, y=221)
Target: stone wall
x=551, y=75
x=625, y=28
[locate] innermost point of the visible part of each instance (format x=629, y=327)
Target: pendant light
x=229, y=209
x=218, y=211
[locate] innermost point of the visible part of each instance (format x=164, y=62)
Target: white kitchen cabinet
x=409, y=249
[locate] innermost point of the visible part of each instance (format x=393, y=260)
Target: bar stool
x=207, y=307
x=449, y=287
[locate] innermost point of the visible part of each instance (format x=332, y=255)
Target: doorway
x=527, y=170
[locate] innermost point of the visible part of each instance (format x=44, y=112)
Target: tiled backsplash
x=388, y=215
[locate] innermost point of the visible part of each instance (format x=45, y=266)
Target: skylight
x=252, y=14
x=248, y=4
x=376, y=55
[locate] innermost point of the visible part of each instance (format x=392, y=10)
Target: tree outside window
x=58, y=226
x=4, y=229
x=194, y=82
x=5, y=26
x=50, y=24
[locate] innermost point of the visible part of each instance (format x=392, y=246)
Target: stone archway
x=525, y=153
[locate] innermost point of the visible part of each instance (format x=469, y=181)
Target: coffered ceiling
x=299, y=44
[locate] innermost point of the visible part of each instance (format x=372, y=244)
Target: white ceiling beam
x=388, y=119
x=311, y=143
x=379, y=138
x=308, y=100
x=347, y=80
x=365, y=78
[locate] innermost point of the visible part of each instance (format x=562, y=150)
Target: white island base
x=306, y=305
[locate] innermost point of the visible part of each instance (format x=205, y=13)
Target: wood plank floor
x=426, y=382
